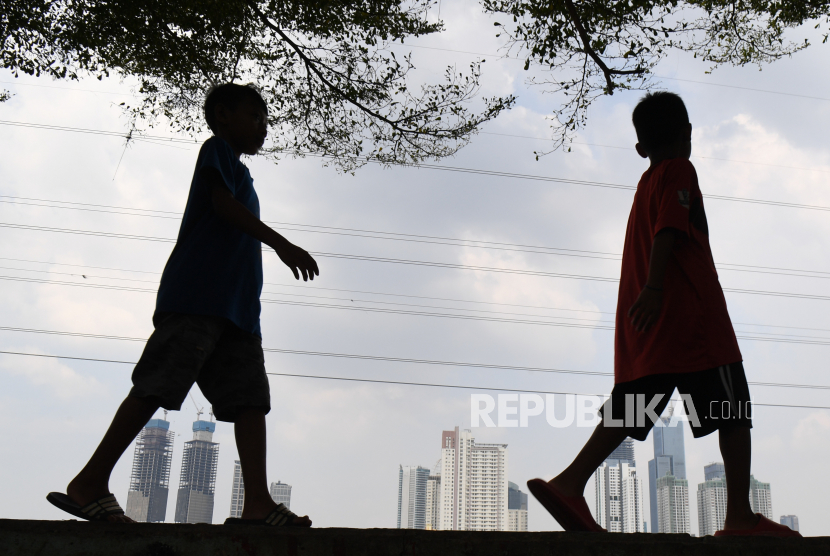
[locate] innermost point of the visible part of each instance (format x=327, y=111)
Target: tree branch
x=586, y=48
x=310, y=64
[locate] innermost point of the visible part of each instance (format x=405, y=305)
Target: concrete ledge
x=73, y=538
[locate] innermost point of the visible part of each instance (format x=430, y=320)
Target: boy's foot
x=83, y=495
x=102, y=509
x=571, y=512
x=279, y=516
x=763, y=528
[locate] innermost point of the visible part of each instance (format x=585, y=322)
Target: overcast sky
x=338, y=442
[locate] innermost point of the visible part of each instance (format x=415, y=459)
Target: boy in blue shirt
x=207, y=318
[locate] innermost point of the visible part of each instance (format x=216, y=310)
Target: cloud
x=51, y=375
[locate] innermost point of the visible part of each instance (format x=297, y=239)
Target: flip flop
x=99, y=510
x=279, y=517
x=571, y=512
x=764, y=528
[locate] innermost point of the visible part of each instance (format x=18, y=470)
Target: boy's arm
x=646, y=310
x=234, y=213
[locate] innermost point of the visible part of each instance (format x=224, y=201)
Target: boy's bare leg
x=736, y=449
x=250, y=443
x=92, y=482
x=603, y=441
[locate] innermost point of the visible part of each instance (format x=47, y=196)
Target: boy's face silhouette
x=244, y=127
x=680, y=148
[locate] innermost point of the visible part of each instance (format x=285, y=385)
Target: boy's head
x=662, y=125
x=238, y=114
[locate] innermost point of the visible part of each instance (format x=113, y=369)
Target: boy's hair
x=230, y=95
x=659, y=118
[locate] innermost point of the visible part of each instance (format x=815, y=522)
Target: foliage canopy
x=591, y=48
x=333, y=85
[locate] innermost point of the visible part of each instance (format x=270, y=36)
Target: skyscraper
x=672, y=505
x=473, y=486
x=760, y=497
x=238, y=491
x=434, y=497
x=412, y=497
x=150, y=478
x=197, y=482
x=619, y=505
x=711, y=500
x=516, y=508
x=669, y=459
x=281, y=494
x=790, y=521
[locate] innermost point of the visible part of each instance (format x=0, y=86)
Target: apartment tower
x=619, y=504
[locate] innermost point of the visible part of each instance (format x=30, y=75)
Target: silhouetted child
x=207, y=318
x=672, y=331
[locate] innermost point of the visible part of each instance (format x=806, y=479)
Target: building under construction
x=150, y=479
x=197, y=483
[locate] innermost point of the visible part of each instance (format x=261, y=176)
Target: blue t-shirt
x=215, y=269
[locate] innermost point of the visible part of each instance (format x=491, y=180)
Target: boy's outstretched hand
x=298, y=260
x=646, y=310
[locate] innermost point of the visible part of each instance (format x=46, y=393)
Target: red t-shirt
x=693, y=332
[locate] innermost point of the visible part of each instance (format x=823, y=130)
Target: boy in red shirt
x=672, y=331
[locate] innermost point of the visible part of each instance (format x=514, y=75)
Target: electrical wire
x=366, y=292
x=440, y=240
x=433, y=264
x=396, y=382
x=475, y=171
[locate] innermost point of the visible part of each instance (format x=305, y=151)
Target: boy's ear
x=220, y=112
x=640, y=150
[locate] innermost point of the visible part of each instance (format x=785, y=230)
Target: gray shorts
x=226, y=362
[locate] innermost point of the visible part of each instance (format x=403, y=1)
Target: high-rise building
x=714, y=471
x=672, y=504
x=473, y=486
x=790, y=521
x=281, y=493
x=238, y=492
x=669, y=459
x=412, y=497
x=150, y=479
x=516, y=508
x=197, y=482
x=711, y=500
x=760, y=497
x=619, y=505
x=433, y=497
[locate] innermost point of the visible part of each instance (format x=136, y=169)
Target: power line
x=352, y=300
x=403, y=383
x=718, y=158
x=779, y=338
x=366, y=292
x=475, y=171
x=438, y=240
x=433, y=264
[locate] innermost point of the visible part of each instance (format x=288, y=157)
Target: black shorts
x=226, y=362
x=714, y=399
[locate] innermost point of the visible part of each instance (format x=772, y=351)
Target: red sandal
x=764, y=528
x=571, y=512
